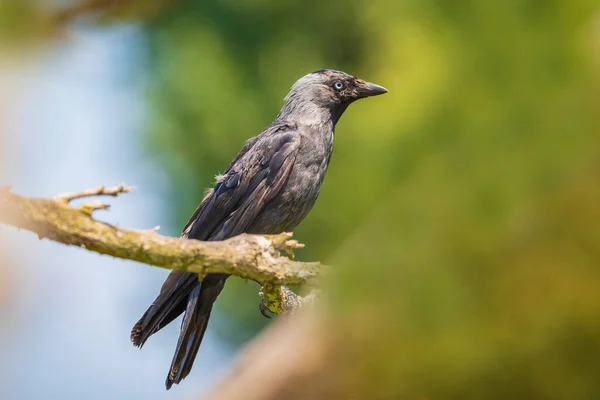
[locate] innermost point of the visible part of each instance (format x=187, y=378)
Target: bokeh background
x=461, y=210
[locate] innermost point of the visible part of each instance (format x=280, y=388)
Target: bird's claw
x=264, y=310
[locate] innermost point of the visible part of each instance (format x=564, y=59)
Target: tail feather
x=193, y=326
x=169, y=304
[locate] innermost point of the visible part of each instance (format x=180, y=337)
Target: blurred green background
x=461, y=210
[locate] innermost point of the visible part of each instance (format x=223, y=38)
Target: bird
x=268, y=188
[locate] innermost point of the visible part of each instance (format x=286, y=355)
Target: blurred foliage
x=33, y=22
x=461, y=208
x=483, y=253
x=19, y=22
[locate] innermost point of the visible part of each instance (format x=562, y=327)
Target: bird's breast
x=297, y=196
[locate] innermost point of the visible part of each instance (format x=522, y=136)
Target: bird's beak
x=367, y=89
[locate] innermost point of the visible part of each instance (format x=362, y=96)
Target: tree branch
x=255, y=257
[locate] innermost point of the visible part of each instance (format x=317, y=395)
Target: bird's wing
x=253, y=178
x=209, y=195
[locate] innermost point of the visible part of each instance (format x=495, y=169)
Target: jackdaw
x=268, y=188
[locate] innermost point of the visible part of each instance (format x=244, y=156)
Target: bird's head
x=329, y=87
x=329, y=90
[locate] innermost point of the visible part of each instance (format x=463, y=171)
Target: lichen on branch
x=255, y=257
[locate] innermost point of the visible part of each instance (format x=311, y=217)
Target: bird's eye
x=338, y=85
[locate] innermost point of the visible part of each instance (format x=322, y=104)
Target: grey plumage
x=268, y=188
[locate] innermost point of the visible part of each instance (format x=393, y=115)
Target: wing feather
x=253, y=178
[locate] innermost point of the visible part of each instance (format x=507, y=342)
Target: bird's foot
x=264, y=310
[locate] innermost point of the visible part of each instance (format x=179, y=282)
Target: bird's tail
x=199, y=305
x=168, y=305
